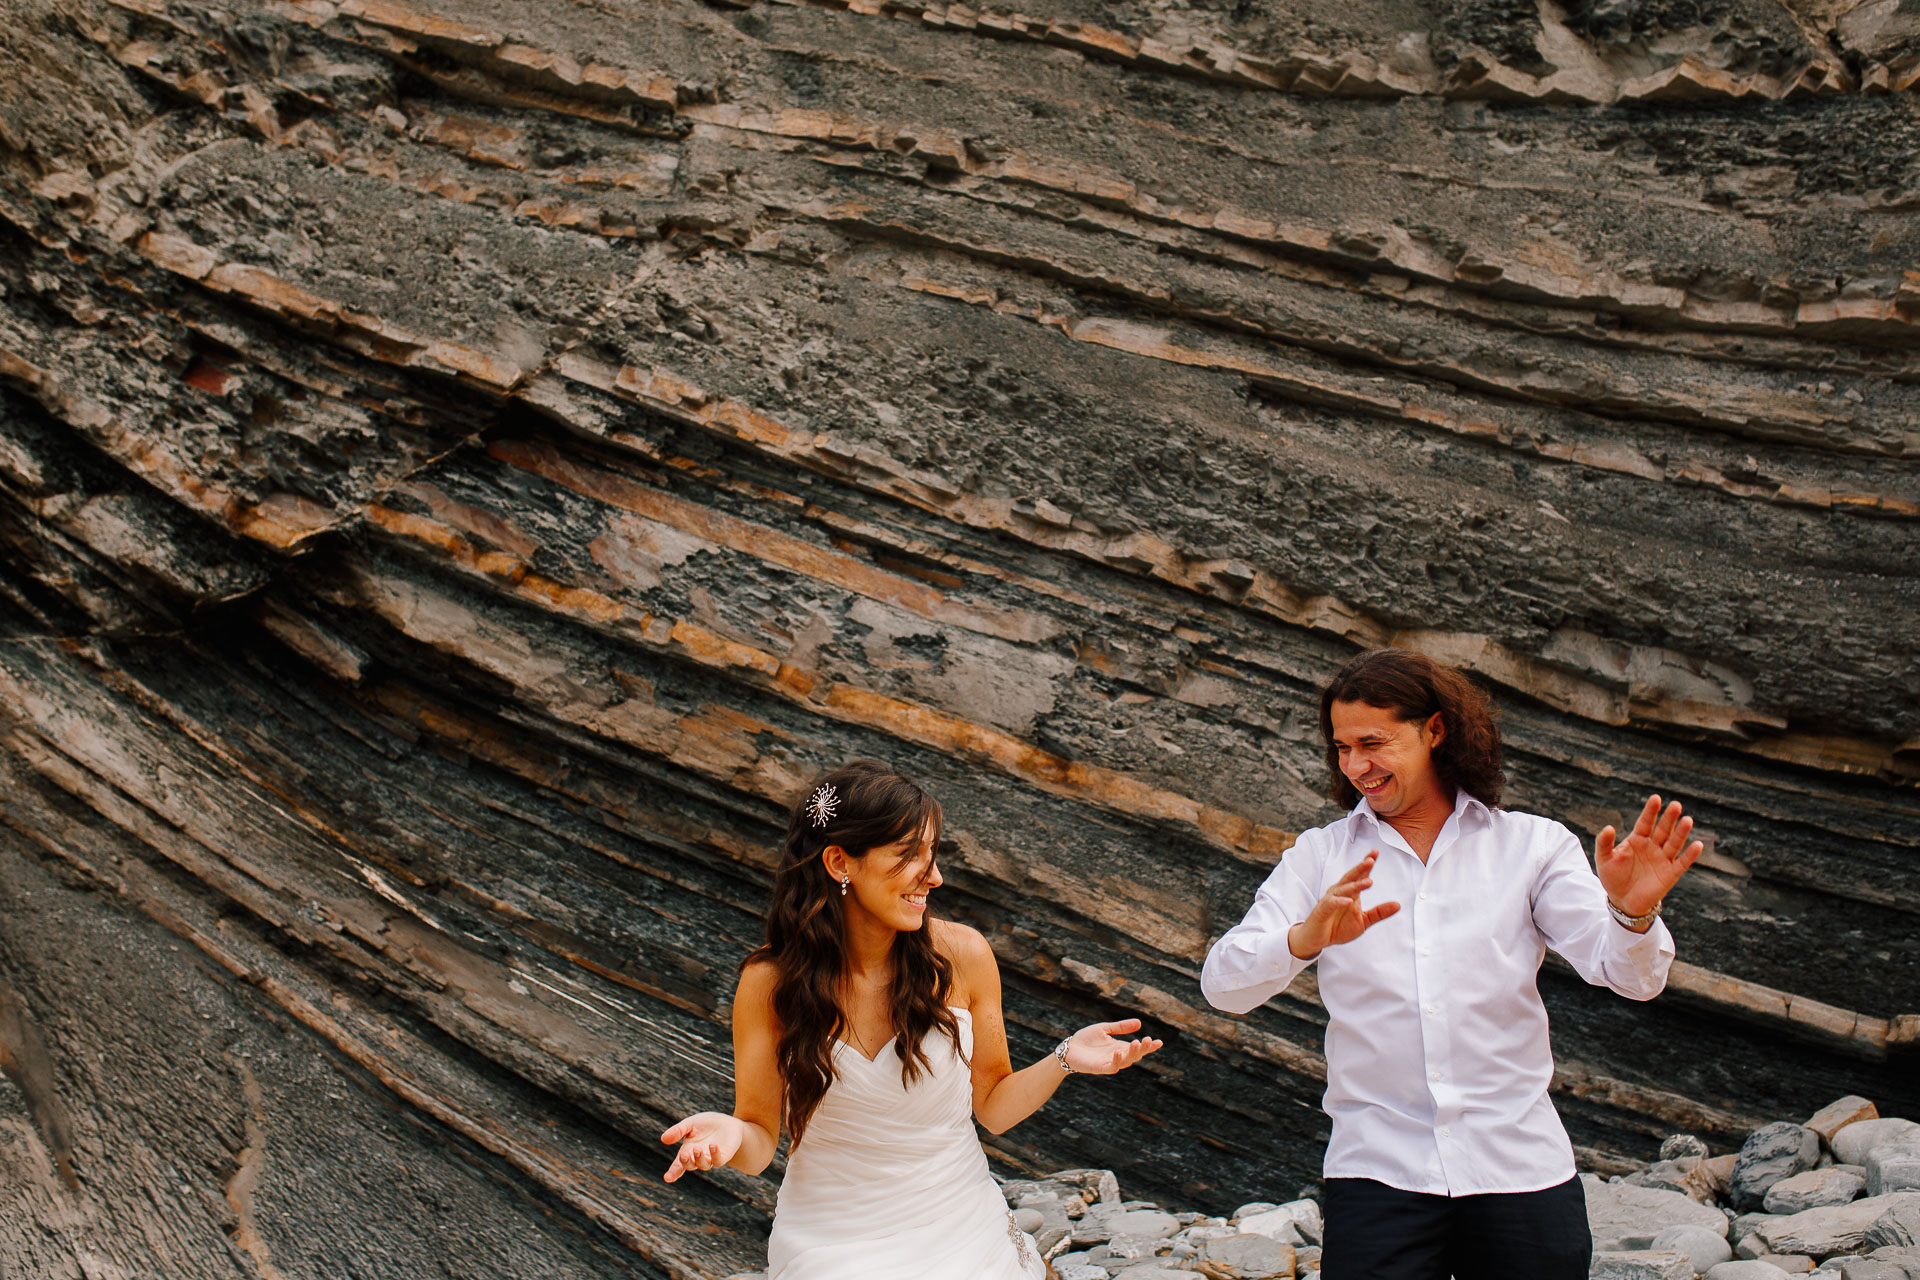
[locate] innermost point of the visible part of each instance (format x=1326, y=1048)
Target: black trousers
x=1377, y=1232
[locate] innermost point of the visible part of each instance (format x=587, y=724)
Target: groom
x=1447, y=1157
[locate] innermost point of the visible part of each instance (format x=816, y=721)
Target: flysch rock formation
x=464, y=466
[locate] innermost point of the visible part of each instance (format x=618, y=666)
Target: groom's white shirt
x=1437, y=1053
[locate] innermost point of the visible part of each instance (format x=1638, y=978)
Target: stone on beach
x=1748, y=1223
x=1618, y=1212
x=1296, y=1222
x=1772, y=1153
x=1814, y=1189
x=1244, y=1257
x=1898, y=1227
x=1107, y=1222
x=1883, y=1264
x=1746, y=1269
x=1851, y=1144
x=1683, y=1144
x=1151, y=1224
x=1872, y=1269
x=1837, y=1115
x=1125, y=1248
x=1669, y=1175
x=1894, y=1166
x=1702, y=1245
x=1043, y=1215
x=1821, y=1233
x=1641, y=1264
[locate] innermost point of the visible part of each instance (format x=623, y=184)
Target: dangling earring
x=843, y=885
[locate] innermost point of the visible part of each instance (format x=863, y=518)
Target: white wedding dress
x=890, y=1182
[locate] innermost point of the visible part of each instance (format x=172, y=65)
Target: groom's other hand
x=1337, y=917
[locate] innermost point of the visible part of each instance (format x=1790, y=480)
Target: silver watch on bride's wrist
x=1635, y=923
x=1060, y=1052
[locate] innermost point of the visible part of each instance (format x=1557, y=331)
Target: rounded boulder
x=1706, y=1248
x=1772, y=1153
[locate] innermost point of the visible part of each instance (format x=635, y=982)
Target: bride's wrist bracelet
x=1060, y=1053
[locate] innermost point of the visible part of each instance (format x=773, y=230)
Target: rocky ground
x=1834, y=1198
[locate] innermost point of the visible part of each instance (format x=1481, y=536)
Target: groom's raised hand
x=1337, y=917
x=1638, y=871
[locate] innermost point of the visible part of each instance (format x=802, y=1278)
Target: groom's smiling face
x=1388, y=760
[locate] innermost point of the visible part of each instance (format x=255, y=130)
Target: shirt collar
x=1463, y=804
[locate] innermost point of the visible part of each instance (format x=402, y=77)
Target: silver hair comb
x=822, y=804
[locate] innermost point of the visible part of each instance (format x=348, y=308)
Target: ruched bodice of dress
x=890, y=1182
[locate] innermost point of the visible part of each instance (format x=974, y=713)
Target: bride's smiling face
x=891, y=883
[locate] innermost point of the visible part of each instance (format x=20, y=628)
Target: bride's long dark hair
x=807, y=935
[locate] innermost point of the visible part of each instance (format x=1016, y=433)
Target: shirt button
x=1432, y=1009
x=1423, y=896
x=1436, y=1075
x=1446, y=1133
x=1426, y=951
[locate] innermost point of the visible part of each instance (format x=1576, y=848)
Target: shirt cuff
x=1278, y=959
x=1643, y=949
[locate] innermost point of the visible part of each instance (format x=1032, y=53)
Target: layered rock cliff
x=464, y=466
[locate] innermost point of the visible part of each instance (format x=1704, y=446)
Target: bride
x=876, y=1031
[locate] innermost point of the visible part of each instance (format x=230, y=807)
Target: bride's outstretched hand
x=1098, y=1051
x=707, y=1141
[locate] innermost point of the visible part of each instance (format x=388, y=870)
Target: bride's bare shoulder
x=964, y=947
x=757, y=979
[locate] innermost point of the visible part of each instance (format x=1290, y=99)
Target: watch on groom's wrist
x=1637, y=923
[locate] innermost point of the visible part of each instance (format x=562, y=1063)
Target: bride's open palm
x=1098, y=1050
x=707, y=1141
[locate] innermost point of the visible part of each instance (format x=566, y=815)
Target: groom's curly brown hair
x=1414, y=687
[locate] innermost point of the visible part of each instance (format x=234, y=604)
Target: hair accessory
x=822, y=804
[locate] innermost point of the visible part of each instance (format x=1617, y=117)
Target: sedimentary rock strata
x=463, y=467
